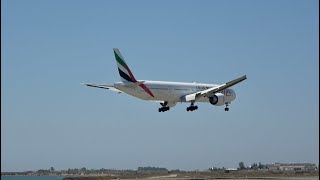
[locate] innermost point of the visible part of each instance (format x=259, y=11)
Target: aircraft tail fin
x=124, y=71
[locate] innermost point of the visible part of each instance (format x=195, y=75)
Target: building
x=292, y=166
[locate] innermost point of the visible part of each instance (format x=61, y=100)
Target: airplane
x=169, y=93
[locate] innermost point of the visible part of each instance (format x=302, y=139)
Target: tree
x=51, y=169
x=241, y=165
x=254, y=166
x=83, y=169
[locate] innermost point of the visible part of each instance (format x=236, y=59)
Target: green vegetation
x=152, y=169
x=255, y=170
x=241, y=166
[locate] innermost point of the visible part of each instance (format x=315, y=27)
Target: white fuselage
x=171, y=91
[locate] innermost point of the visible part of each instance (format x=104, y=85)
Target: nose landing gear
x=226, y=109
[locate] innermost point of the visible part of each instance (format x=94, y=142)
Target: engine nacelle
x=217, y=99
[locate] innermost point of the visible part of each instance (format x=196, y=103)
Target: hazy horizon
x=50, y=119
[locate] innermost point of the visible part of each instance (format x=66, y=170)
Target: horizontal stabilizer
x=103, y=86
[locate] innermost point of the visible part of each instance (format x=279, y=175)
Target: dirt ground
x=208, y=175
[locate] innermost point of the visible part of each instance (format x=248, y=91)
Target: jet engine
x=217, y=99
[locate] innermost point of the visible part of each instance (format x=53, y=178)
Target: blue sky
x=50, y=47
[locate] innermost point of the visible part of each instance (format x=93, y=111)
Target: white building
x=292, y=166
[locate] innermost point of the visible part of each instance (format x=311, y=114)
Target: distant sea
x=31, y=177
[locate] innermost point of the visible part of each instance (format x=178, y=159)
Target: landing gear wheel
x=164, y=108
x=192, y=107
x=226, y=109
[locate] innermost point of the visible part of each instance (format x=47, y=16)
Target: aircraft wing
x=213, y=90
x=104, y=86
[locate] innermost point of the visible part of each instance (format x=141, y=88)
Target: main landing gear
x=226, y=109
x=164, y=107
x=192, y=107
